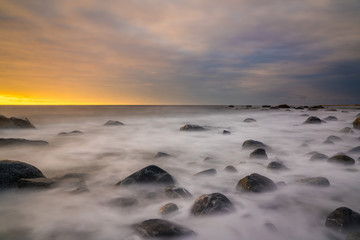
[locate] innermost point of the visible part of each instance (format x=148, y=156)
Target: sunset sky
x=179, y=52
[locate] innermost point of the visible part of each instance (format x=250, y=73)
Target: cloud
x=203, y=52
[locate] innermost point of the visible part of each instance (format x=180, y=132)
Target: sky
x=179, y=52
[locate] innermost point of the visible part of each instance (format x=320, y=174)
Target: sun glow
x=22, y=100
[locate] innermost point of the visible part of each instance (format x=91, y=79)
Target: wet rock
x=72, y=175
x=354, y=150
x=159, y=228
x=356, y=123
x=327, y=141
x=14, y=122
x=168, y=208
x=177, y=192
x=317, y=107
x=72, y=133
x=161, y=155
x=266, y=106
x=334, y=138
x=258, y=154
x=277, y=166
x=230, y=106
x=124, y=202
x=35, y=183
x=7, y=142
x=283, y=106
x=113, y=123
x=249, y=120
x=226, y=132
x=313, y=120
x=353, y=236
x=252, y=144
x=343, y=220
x=331, y=118
x=318, y=156
x=315, y=181
x=207, y=172
x=12, y=171
x=209, y=204
x=255, y=183
x=189, y=127
x=346, y=130
x=230, y=169
x=271, y=227
x=150, y=174
x=342, y=159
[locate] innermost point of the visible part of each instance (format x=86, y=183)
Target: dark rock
x=271, y=227
x=342, y=159
x=299, y=108
x=343, y=220
x=113, y=123
x=189, y=127
x=255, y=183
x=207, y=172
x=266, y=106
x=334, y=138
x=331, y=118
x=249, y=120
x=356, y=123
x=161, y=155
x=159, y=228
x=318, y=156
x=327, y=141
x=316, y=181
x=283, y=106
x=14, y=122
x=12, y=171
x=150, y=174
x=72, y=133
x=209, y=159
x=346, y=130
x=313, y=120
x=277, y=166
x=353, y=236
x=72, y=175
x=312, y=109
x=317, y=107
x=35, y=183
x=248, y=106
x=258, y=154
x=168, y=208
x=124, y=202
x=354, y=150
x=230, y=168
x=226, y=132
x=209, y=204
x=7, y=142
x=177, y=192
x=252, y=144
x=231, y=106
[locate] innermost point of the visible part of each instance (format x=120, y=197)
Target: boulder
x=113, y=123
x=35, y=182
x=230, y=169
x=331, y=118
x=207, y=172
x=177, y=192
x=346, y=130
x=356, y=123
x=283, y=106
x=277, y=166
x=317, y=107
x=124, y=202
x=318, y=156
x=12, y=171
x=168, y=208
x=354, y=150
x=7, y=142
x=150, y=174
x=327, y=141
x=343, y=220
x=255, y=183
x=252, y=144
x=161, y=155
x=249, y=120
x=190, y=127
x=334, y=138
x=315, y=181
x=258, y=154
x=72, y=133
x=159, y=228
x=226, y=132
x=14, y=122
x=210, y=204
x=342, y=159
x=266, y=106
x=313, y=120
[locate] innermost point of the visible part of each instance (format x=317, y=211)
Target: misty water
x=109, y=154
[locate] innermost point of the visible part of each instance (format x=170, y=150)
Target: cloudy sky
x=180, y=52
